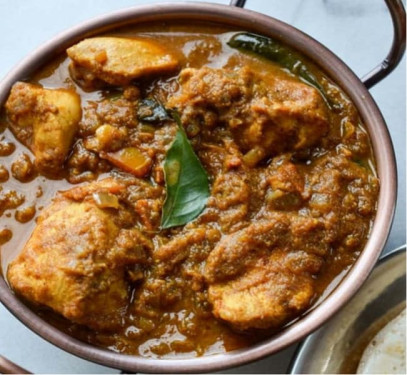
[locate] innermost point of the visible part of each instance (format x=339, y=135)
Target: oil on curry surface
x=178, y=190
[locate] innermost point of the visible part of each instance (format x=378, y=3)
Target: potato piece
x=107, y=138
x=130, y=159
x=118, y=61
x=46, y=121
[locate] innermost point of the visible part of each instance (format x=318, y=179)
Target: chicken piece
x=266, y=115
x=343, y=194
x=46, y=121
x=118, y=112
x=181, y=246
x=287, y=185
x=262, y=276
x=231, y=196
x=118, y=61
x=77, y=257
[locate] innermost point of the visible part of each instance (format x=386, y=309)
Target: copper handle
x=398, y=47
x=8, y=367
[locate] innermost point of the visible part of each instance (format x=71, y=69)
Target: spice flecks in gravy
x=292, y=182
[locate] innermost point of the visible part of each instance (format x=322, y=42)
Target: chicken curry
x=180, y=190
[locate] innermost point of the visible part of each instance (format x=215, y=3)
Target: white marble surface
x=358, y=31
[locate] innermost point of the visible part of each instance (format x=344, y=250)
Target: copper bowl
x=337, y=346
x=355, y=88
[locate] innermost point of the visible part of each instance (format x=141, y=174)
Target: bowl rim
x=341, y=75
x=300, y=362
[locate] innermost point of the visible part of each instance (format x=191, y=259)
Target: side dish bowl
x=355, y=88
x=333, y=346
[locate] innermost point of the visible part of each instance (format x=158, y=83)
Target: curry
x=180, y=190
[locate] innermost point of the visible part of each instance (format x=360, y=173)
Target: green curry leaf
x=186, y=182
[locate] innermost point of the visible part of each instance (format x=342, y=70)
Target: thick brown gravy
x=182, y=324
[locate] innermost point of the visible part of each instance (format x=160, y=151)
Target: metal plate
x=327, y=350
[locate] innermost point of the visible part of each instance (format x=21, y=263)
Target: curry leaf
x=186, y=182
x=151, y=110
